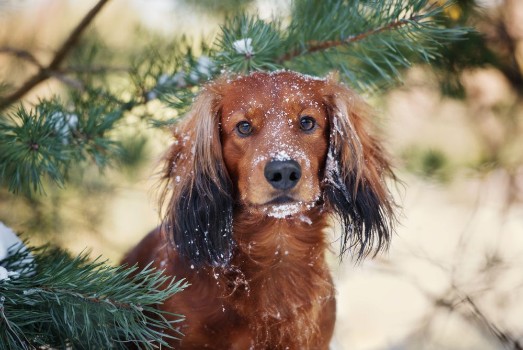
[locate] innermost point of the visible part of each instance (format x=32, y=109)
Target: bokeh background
x=453, y=278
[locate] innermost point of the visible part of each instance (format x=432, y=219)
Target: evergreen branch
x=46, y=71
x=59, y=301
x=61, y=73
x=75, y=35
x=315, y=46
x=44, y=141
x=389, y=36
x=173, y=75
x=367, y=41
x=248, y=43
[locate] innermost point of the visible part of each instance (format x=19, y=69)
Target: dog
x=258, y=167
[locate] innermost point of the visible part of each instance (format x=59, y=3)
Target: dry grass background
x=453, y=278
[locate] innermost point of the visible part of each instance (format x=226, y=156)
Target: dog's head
x=275, y=145
x=274, y=133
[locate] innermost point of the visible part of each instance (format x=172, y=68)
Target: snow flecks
x=281, y=155
x=284, y=210
x=333, y=174
x=288, y=152
x=302, y=76
x=243, y=46
x=5, y=275
x=305, y=219
x=283, y=152
x=176, y=80
x=31, y=291
x=284, y=143
x=64, y=125
x=337, y=127
x=332, y=168
x=9, y=245
x=258, y=159
x=204, y=67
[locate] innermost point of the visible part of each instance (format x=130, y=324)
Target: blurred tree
x=492, y=54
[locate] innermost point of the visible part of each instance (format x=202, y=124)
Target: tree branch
x=46, y=71
x=502, y=336
x=475, y=314
x=315, y=46
x=22, y=54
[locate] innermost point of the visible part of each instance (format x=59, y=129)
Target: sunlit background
x=453, y=278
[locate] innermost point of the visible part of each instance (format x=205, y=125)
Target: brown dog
x=256, y=168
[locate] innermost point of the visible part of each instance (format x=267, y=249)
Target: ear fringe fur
x=355, y=179
x=198, y=216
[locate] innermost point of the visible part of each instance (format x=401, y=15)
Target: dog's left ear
x=355, y=174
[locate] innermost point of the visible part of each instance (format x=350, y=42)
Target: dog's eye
x=307, y=123
x=244, y=128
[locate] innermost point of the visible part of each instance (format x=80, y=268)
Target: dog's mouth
x=284, y=199
x=285, y=206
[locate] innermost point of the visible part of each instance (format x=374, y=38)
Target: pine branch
x=315, y=46
x=367, y=41
x=76, y=303
x=46, y=71
x=44, y=141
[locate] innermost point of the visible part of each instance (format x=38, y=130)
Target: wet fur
x=259, y=281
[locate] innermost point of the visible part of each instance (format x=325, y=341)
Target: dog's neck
x=273, y=252
x=269, y=243
x=279, y=269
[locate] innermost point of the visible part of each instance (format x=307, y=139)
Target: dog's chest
x=283, y=308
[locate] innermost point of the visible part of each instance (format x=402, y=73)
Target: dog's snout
x=283, y=174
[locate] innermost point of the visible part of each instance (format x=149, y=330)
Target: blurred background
x=453, y=278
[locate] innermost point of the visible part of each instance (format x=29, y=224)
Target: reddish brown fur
x=275, y=291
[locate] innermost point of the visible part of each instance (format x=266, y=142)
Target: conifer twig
x=78, y=303
x=315, y=46
x=47, y=71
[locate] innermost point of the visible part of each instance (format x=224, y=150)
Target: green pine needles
x=57, y=301
x=45, y=141
x=368, y=42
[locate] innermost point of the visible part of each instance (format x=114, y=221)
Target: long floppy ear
x=199, y=211
x=356, y=171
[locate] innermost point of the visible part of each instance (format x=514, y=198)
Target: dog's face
x=275, y=145
x=274, y=133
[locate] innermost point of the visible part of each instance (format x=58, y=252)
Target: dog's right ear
x=198, y=214
x=357, y=170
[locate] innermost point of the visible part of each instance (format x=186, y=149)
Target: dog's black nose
x=282, y=174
